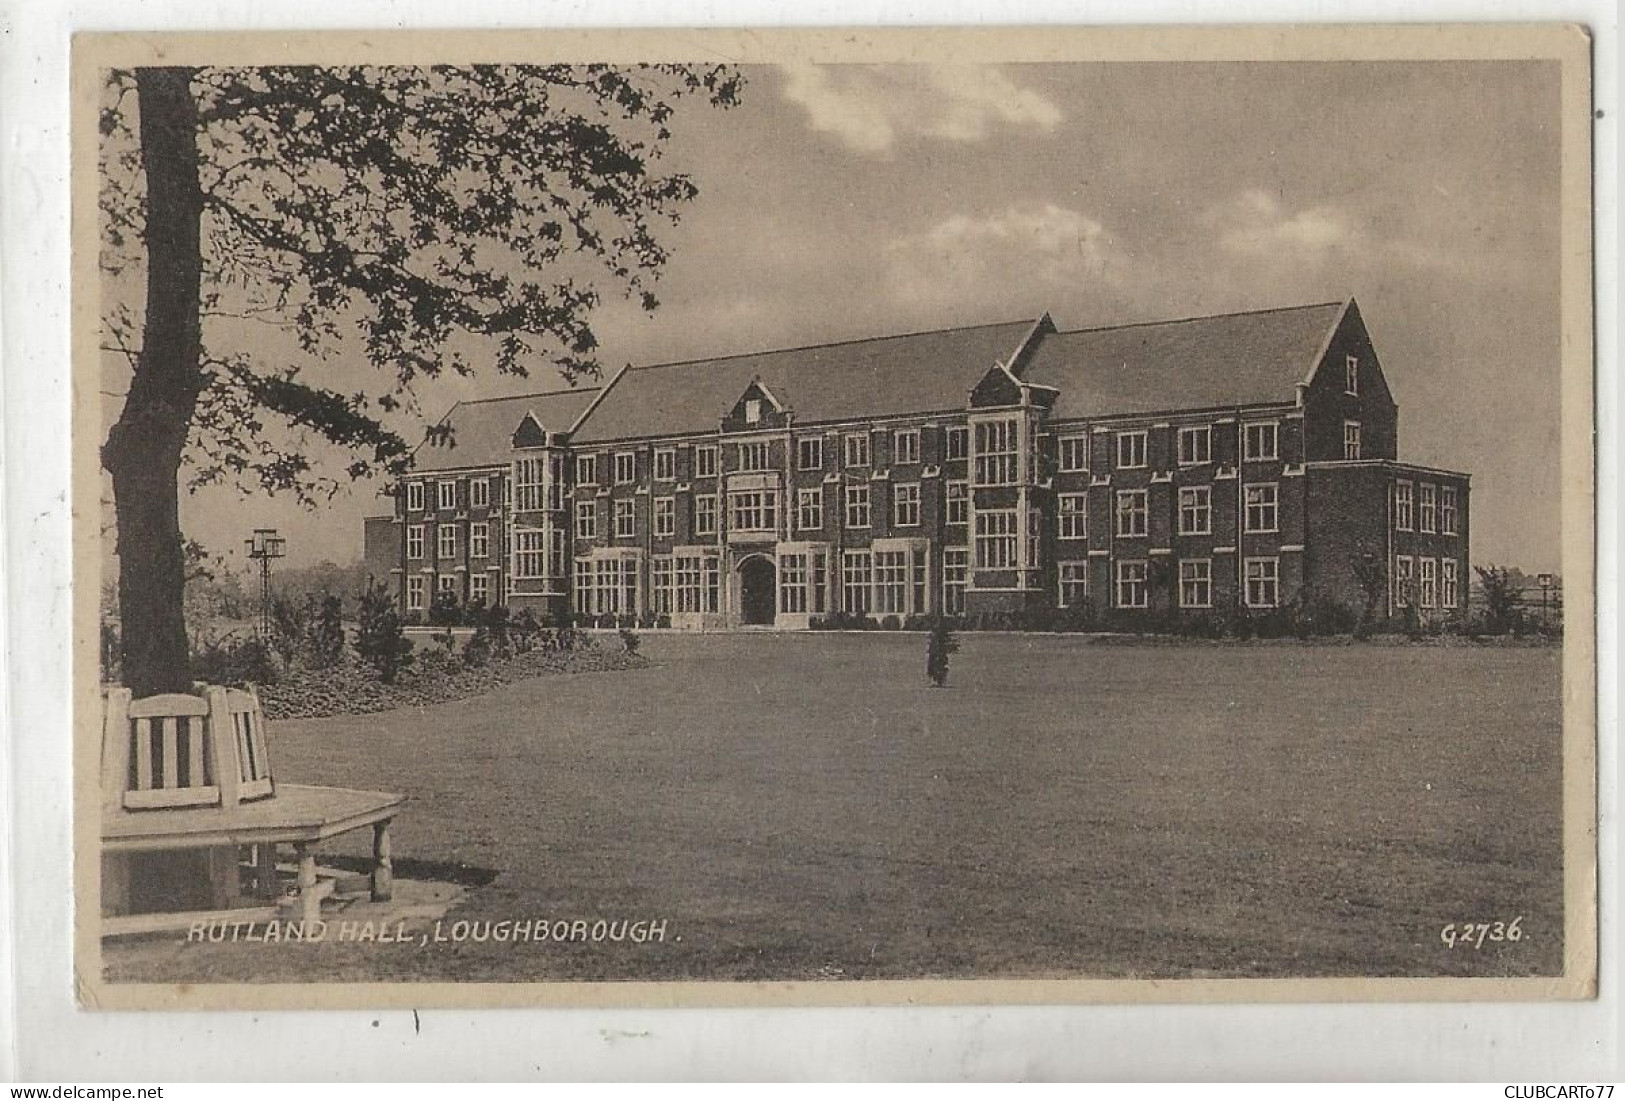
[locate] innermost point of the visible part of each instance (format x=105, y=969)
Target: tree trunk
x=143, y=450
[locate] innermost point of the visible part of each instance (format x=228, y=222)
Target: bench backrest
x=167, y=751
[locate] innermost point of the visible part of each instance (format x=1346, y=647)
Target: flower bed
x=351, y=688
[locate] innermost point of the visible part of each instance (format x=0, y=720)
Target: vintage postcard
x=834, y=517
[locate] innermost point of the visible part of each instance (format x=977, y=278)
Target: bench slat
x=143, y=754
x=174, y=703
x=169, y=735
x=195, y=774
x=160, y=798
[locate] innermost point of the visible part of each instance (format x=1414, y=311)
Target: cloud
x=868, y=107
x=1026, y=253
x=1255, y=222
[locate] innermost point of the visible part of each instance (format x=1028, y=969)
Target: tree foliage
x=417, y=220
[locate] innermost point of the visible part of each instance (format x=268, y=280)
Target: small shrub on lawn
x=477, y=650
x=380, y=640
x=235, y=661
x=445, y=611
x=324, y=631
x=288, y=621
x=891, y=623
x=630, y=641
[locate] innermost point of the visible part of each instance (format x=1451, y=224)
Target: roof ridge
x=1205, y=317
x=830, y=344
x=526, y=397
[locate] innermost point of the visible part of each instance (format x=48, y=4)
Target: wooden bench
x=193, y=772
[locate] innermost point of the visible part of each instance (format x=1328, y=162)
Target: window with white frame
x=1196, y=583
x=857, y=506
x=661, y=584
x=586, y=470
x=1351, y=439
x=905, y=446
x=1427, y=581
x=699, y=582
x=996, y=451
x=665, y=517
x=626, y=468
x=626, y=519
x=1449, y=583
x=1351, y=375
x=955, y=570
x=448, y=496
x=1260, y=442
x=958, y=442
x=479, y=540
x=906, y=505
x=1404, y=498
x=810, y=453
x=1035, y=525
x=414, y=541
x=528, y=561
x=446, y=583
x=857, y=449
x=1404, y=580
x=996, y=539
x=555, y=551
x=1132, y=591
x=528, y=477
x=1074, y=453
x=586, y=519
x=606, y=586
x=705, y=514
x=1196, y=445
x=958, y=502
x=891, y=583
x=1262, y=513
x=1427, y=511
x=479, y=588
x=1131, y=512
x=753, y=411
x=1130, y=450
x=705, y=460
x=415, y=590
x=479, y=493
x=793, y=583
x=414, y=496
x=754, y=455
x=810, y=508
x=446, y=543
x=1072, y=511
x=665, y=464
x=753, y=510
x=1195, y=510
x=857, y=569
x=1447, y=510
x=1263, y=580
x=1073, y=578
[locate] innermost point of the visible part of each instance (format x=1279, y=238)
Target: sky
x=839, y=202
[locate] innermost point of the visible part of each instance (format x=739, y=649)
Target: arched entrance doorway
x=756, y=603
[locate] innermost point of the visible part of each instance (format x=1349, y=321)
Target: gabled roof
x=1195, y=363
x=915, y=373
x=482, y=431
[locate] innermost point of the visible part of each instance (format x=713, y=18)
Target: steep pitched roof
x=1199, y=362
x=915, y=373
x=482, y=431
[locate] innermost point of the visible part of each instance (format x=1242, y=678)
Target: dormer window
x=753, y=411
x=1351, y=375
x=1351, y=439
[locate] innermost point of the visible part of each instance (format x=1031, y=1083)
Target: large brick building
x=1207, y=463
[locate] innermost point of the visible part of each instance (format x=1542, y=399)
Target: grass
x=804, y=806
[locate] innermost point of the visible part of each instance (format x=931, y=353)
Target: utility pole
x=264, y=545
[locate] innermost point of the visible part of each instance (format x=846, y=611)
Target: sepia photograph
x=834, y=518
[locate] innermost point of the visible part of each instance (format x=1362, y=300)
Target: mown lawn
x=803, y=806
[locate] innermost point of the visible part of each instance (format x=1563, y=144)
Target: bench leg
x=310, y=905
x=383, y=871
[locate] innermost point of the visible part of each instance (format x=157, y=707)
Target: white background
x=43, y=1037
